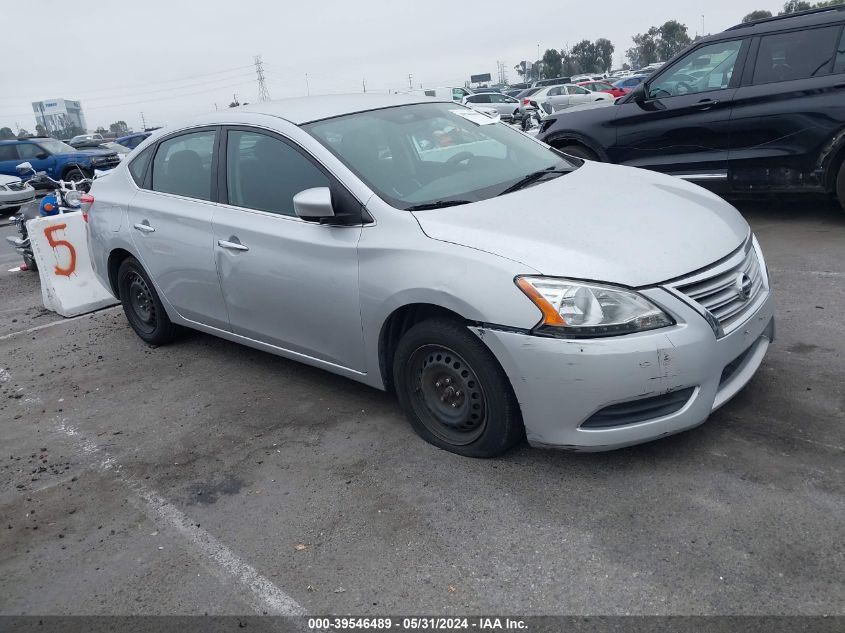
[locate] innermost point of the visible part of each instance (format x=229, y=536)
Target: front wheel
x=579, y=151
x=141, y=304
x=840, y=185
x=454, y=391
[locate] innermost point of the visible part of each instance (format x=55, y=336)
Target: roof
x=302, y=110
x=814, y=17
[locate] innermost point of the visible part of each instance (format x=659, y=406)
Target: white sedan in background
x=506, y=106
x=554, y=98
x=14, y=193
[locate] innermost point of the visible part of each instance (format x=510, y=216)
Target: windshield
x=53, y=146
x=434, y=152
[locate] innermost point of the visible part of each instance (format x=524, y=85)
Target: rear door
x=170, y=224
x=288, y=282
x=789, y=110
x=556, y=96
x=682, y=125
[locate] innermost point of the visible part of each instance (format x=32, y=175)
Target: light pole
x=538, y=65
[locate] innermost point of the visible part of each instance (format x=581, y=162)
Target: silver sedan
x=419, y=246
x=506, y=106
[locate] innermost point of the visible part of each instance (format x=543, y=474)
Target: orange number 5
x=48, y=233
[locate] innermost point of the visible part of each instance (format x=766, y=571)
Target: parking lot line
x=44, y=326
x=267, y=597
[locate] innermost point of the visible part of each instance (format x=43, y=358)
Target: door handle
x=145, y=228
x=706, y=104
x=232, y=246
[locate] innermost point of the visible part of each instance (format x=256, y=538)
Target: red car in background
x=602, y=86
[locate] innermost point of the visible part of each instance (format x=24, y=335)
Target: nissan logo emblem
x=743, y=286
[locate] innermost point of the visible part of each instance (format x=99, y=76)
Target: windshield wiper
x=532, y=178
x=440, y=204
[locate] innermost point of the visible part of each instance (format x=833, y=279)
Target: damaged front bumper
x=606, y=393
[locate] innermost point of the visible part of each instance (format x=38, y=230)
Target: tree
x=120, y=128
x=22, y=133
x=523, y=68
x=6, y=133
x=644, y=50
x=585, y=55
x=794, y=6
x=673, y=39
x=760, y=14
x=40, y=130
x=100, y=130
x=552, y=63
x=659, y=43
x=604, y=53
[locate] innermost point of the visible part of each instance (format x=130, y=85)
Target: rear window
x=796, y=55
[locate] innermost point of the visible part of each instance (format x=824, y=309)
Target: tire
x=76, y=175
x=454, y=391
x=579, y=151
x=840, y=185
x=141, y=304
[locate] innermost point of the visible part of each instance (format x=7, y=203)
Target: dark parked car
x=758, y=108
x=133, y=140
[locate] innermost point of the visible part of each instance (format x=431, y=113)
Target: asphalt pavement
x=205, y=477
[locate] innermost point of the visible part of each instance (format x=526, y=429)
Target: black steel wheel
x=454, y=391
x=141, y=304
x=447, y=395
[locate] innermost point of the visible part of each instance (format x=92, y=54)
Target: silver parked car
x=418, y=246
x=506, y=106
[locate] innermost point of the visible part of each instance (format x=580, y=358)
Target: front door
x=170, y=224
x=681, y=125
x=288, y=282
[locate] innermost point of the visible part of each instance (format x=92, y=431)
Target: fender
x=829, y=160
x=559, y=138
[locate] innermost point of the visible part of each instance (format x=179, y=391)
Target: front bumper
x=562, y=383
x=16, y=198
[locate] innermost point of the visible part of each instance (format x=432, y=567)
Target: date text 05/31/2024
x=416, y=623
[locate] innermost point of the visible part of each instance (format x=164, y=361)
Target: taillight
x=86, y=202
x=526, y=101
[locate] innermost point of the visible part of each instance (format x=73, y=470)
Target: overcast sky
x=171, y=59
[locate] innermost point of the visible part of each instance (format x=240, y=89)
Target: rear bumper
x=561, y=384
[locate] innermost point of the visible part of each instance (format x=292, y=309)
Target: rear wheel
x=579, y=151
x=141, y=304
x=840, y=185
x=454, y=392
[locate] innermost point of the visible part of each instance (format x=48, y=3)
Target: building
x=59, y=115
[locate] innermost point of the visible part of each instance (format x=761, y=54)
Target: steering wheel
x=683, y=88
x=460, y=157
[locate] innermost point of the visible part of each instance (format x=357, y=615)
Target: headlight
x=579, y=309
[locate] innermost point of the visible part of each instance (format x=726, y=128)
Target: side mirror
x=24, y=168
x=638, y=95
x=314, y=204
x=42, y=156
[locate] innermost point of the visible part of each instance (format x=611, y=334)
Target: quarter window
x=138, y=166
x=705, y=69
x=182, y=165
x=265, y=173
x=795, y=55
x=840, y=55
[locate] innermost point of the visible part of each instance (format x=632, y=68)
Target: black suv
x=760, y=107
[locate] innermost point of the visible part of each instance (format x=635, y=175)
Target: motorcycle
x=67, y=196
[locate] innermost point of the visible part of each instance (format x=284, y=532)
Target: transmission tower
x=263, y=94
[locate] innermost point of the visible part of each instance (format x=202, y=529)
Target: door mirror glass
x=25, y=168
x=314, y=204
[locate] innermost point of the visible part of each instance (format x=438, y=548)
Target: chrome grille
x=729, y=291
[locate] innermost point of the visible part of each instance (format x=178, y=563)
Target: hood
x=8, y=180
x=579, y=226
x=94, y=152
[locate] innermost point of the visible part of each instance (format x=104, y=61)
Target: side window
x=702, y=70
x=497, y=98
x=795, y=55
x=840, y=55
x=576, y=90
x=138, y=166
x=28, y=151
x=265, y=173
x=553, y=92
x=182, y=165
x=7, y=152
